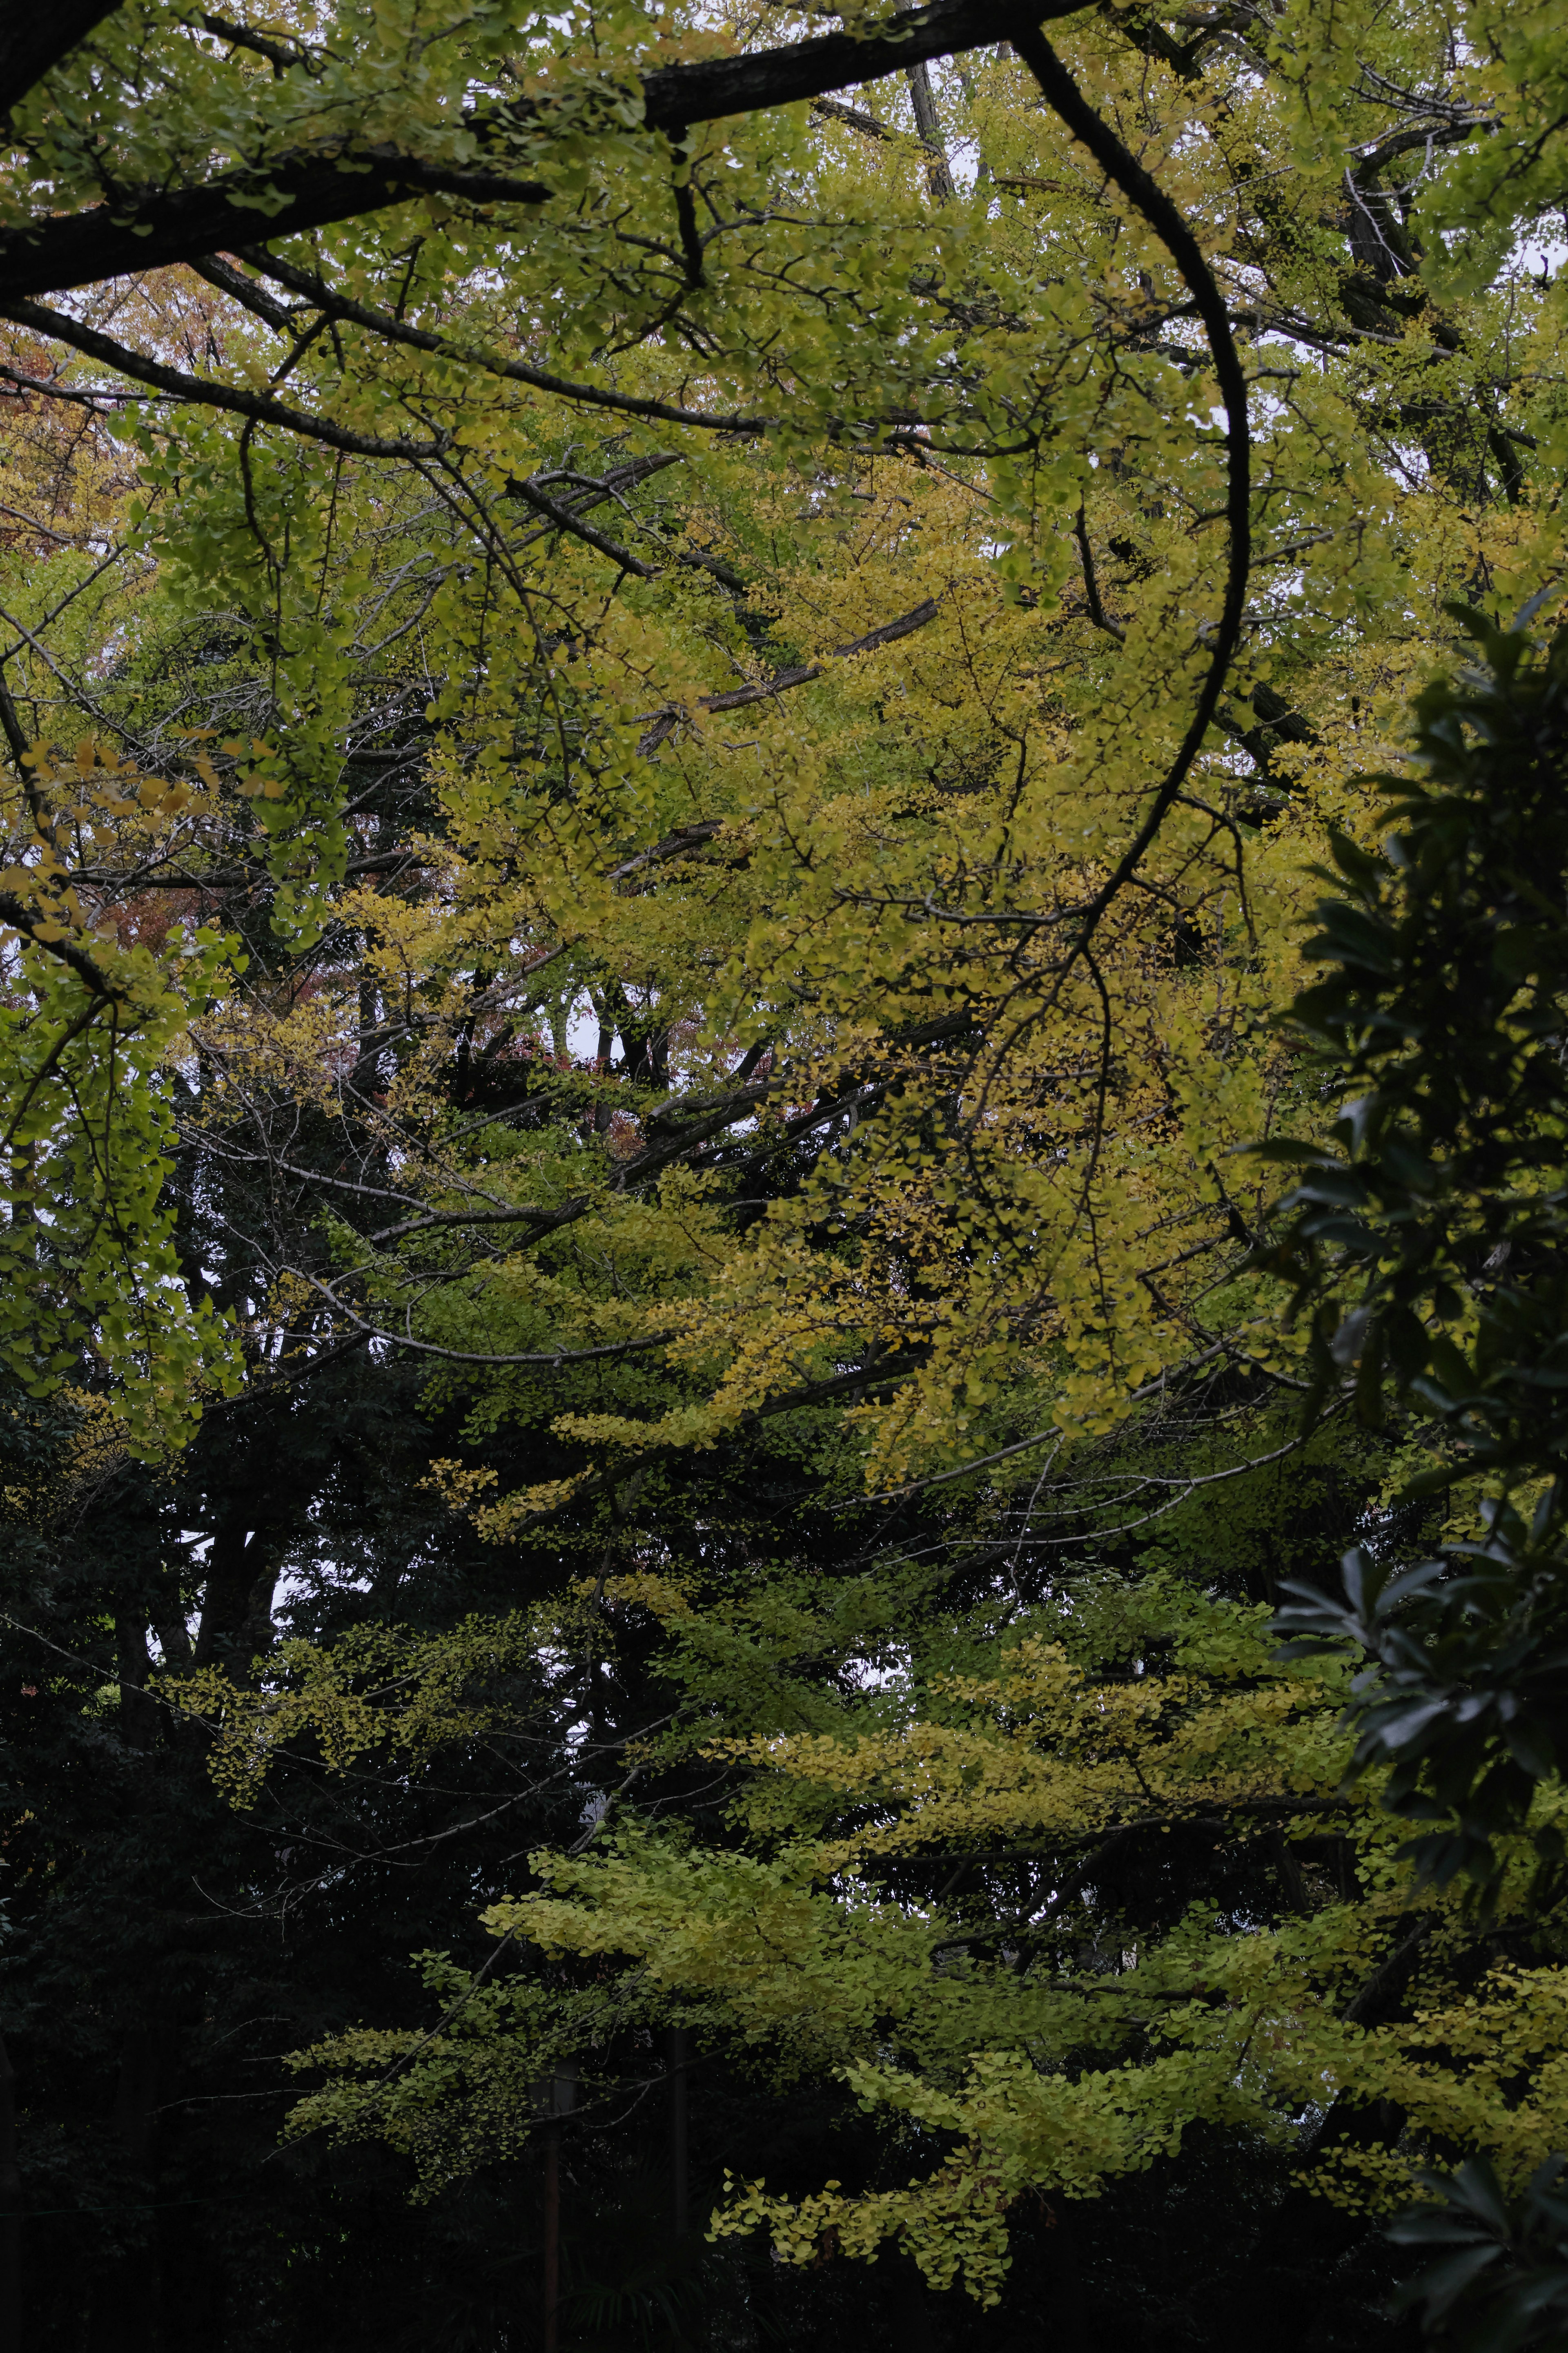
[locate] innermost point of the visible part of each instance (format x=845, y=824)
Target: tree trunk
x=1067, y=2317
x=10, y=2213
x=236, y=1609
x=679, y=2197
x=125, y=2304
x=138, y=1712
x=908, y=2308
x=550, y=2284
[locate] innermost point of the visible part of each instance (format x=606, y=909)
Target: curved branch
x=552, y=1359
x=1066, y=99
x=19, y=917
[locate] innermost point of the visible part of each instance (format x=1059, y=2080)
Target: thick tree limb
x=676, y=95
x=150, y=228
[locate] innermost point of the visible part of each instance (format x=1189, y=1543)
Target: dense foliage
x=676, y=688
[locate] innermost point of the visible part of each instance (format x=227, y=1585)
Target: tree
x=1010, y=372
x=1079, y=1879
x=804, y=1162
x=1423, y=1240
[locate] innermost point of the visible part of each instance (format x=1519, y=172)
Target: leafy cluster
x=672, y=686
x=1425, y=1242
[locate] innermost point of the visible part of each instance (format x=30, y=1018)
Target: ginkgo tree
x=1047, y=656
x=683, y=790
x=949, y=1892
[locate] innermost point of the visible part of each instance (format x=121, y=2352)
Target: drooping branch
x=208, y=391
x=1066, y=99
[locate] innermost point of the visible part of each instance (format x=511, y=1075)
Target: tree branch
x=419, y=339
x=662, y=723
x=22, y=918
x=1066, y=99
x=204, y=390
x=853, y=119
x=37, y=39
x=151, y=228
x=674, y=95
x=939, y=178
x=564, y=519
x=239, y=289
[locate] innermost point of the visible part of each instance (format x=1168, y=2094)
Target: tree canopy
x=706, y=1259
